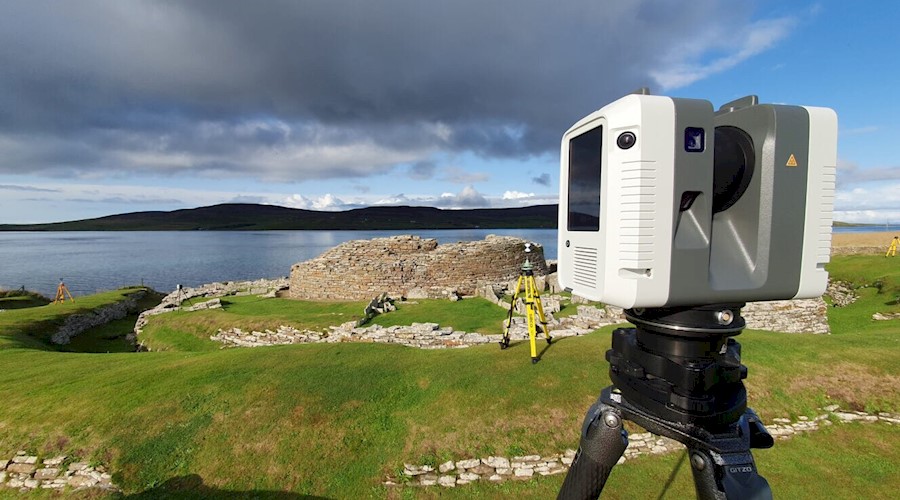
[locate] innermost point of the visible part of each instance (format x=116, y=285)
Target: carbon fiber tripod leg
x=603, y=440
x=719, y=478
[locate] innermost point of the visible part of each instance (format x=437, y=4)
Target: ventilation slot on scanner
x=585, y=269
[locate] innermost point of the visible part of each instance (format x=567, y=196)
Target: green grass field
x=334, y=420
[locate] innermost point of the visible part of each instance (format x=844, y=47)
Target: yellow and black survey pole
x=532, y=298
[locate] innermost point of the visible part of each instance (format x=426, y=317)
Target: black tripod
x=679, y=375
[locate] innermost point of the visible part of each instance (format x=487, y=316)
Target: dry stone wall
x=76, y=324
x=858, y=250
x=214, y=291
x=26, y=472
x=412, y=267
x=788, y=316
x=420, y=335
x=497, y=469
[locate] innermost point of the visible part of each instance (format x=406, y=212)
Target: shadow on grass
x=33, y=327
x=22, y=302
x=191, y=486
x=526, y=343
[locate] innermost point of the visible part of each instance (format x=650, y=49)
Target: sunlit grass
x=469, y=315
x=190, y=331
x=336, y=419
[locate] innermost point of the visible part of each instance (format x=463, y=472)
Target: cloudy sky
x=110, y=107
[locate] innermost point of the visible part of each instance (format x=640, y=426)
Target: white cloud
x=687, y=67
x=872, y=202
x=469, y=197
x=397, y=199
x=516, y=195
x=868, y=216
x=326, y=202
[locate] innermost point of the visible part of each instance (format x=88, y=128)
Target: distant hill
x=250, y=217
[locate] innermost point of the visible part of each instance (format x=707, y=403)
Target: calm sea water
x=94, y=261
x=868, y=229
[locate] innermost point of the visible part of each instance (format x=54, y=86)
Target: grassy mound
x=335, y=419
x=20, y=299
x=32, y=327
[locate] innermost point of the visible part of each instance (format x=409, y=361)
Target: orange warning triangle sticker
x=792, y=162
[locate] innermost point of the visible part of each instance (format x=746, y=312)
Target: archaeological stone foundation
x=411, y=267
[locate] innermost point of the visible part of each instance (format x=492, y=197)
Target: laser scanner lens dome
x=626, y=140
x=735, y=160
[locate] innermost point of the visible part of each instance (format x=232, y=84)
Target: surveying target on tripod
x=534, y=310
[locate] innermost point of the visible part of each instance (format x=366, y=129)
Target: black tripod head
x=682, y=363
x=678, y=374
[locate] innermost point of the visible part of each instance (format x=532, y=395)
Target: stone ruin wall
x=788, y=316
x=412, y=267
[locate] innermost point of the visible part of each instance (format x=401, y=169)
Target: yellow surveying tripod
x=61, y=291
x=532, y=301
x=892, y=250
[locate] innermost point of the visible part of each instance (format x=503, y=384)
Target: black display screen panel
x=585, y=158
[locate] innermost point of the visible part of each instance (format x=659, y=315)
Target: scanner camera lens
x=626, y=140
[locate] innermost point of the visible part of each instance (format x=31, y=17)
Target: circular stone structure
x=412, y=267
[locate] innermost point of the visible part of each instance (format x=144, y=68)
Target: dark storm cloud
x=313, y=89
x=422, y=170
x=543, y=179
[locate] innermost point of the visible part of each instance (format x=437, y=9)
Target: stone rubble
x=841, y=293
x=28, y=472
x=380, y=305
x=789, y=316
x=496, y=469
x=420, y=335
x=785, y=316
x=885, y=316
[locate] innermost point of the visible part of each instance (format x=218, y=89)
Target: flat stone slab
x=21, y=468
